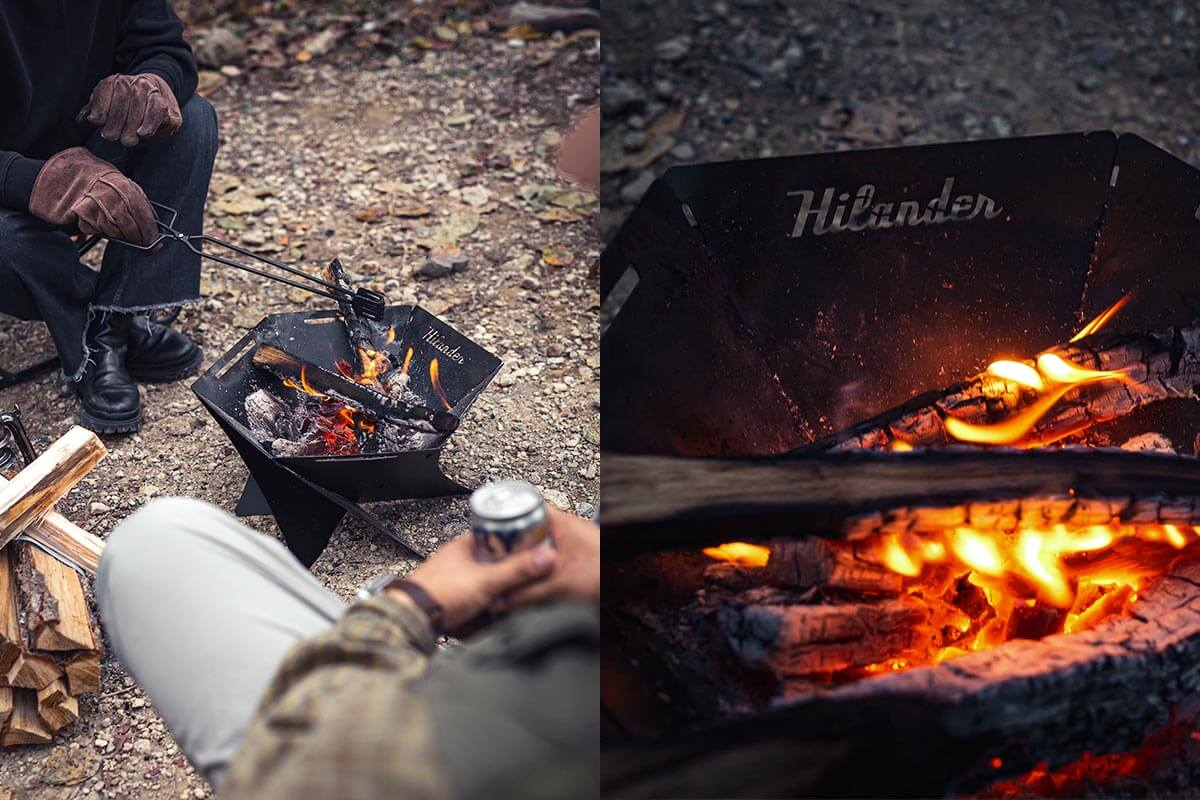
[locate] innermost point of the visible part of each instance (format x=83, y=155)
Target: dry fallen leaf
x=555, y=255
x=371, y=214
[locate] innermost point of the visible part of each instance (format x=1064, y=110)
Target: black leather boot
x=108, y=395
x=159, y=353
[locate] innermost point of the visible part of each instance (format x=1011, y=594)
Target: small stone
x=664, y=90
x=557, y=498
x=634, y=140
x=439, y=265
x=585, y=510
x=1001, y=126
x=633, y=191
x=530, y=283
x=620, y=97
x=683, y=151
x=96, y=507
x=673, y=50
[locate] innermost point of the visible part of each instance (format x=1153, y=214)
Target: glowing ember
x=741, y=553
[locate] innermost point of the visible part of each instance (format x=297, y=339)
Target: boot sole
x=169, y=374
x=131, y=424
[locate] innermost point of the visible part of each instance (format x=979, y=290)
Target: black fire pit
x=761, y=308
x=309, y=495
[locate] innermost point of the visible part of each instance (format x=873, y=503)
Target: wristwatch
x=421, y=598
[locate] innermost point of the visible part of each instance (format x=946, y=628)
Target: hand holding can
x=508, y=517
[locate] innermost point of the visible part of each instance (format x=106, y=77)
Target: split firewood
x=797, y=639
x=57, y=707
x=1155, y=366
x=6, y=705
x=11, y=640
x=29, y=496
x=33, y=671
x=24, y=725
x=805, y=563
x=83, y=673
x=70, y=542
x=56, y=613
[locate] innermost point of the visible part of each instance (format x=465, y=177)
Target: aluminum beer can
x=508, y=517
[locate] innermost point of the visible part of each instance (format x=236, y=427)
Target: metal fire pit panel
x=782, y=299
x=308, y=495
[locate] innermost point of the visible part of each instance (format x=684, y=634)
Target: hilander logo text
x=838, y=212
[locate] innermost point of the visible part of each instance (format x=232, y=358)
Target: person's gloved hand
x=133, y=108
x=75, y=187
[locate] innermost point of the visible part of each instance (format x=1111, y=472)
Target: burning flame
x=437, y=385
x=407, y=360
x=1050, y=373
x=1102, y=319
x=391, y=335
x=743, y=554
x=303, y=385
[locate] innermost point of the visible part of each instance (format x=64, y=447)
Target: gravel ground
x=688, y=80
x=365, y=157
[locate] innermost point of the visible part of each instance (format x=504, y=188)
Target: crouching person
x=275, y=689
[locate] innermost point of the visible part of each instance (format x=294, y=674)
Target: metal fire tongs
x=366, y=302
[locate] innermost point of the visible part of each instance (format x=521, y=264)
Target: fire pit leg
x=305, y=518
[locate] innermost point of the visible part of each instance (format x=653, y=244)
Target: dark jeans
x=40, y=273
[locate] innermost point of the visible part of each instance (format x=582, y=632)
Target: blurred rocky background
x=690, y=80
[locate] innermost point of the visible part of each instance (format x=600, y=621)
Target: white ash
x=1149, y=441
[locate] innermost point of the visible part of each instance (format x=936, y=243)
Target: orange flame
x=1102, y=318
x=743, y=554
x=391, y=335
x=407, y=360
x=437, y=384
x=1050, y=371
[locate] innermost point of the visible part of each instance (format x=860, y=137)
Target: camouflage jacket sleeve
x=340, y=720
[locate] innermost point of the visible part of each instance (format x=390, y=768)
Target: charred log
x=953, y=728
x=1158, y=366
x=655, y=502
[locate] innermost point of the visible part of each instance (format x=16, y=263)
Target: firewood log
x=805, y=563
x=1159, y=365
x=806, y=639
x=950, y=729
x=59, y=535
x=83, y=673
x=56, y=613
x=24, y=725
x=655, y=502
x=6, y=705
x=57, y=707
x=28, y=497
x=11, y=639
x=34, y=671
x=362, y=333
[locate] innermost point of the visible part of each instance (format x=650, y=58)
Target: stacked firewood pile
x=50, y=646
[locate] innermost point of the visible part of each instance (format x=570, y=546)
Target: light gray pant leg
x=200, y=610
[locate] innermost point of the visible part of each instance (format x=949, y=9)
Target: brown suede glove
x=132, y=108
x=76, y=188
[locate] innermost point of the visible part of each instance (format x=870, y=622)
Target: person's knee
x=156, y=535
x=200, y=126
x=21, y=232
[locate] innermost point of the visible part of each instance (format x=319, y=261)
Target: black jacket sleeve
x=17, y=175
x=151, y=40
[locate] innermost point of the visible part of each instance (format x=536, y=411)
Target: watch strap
x=423, y=600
